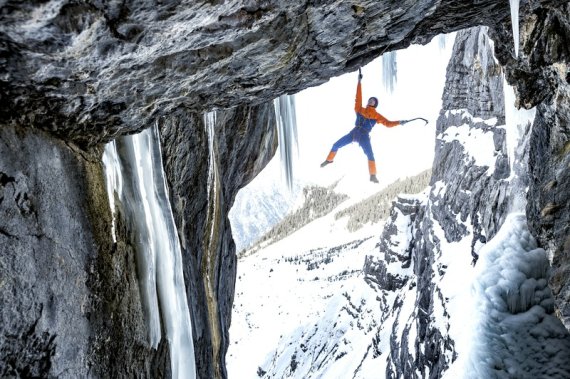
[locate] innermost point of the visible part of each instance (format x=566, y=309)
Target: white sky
x=326, y=113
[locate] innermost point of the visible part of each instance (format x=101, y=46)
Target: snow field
x=301, y=295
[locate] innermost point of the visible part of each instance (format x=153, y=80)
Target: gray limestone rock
x=90, y=71
x=47, y=246
x=244, y=140
x=70, y=303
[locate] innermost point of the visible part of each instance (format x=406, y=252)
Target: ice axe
x=414, y=119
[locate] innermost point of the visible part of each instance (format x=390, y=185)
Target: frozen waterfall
x=518, y=334
x=133, y=166
x=287, y=134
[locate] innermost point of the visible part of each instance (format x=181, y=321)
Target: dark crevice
x=5, y=233
x=5, y=179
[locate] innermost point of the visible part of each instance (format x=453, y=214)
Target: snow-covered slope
x=453, y=285
x=302, y=308
x=260, y=205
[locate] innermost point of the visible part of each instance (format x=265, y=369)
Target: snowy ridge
x=260, y=205
x=340, y=326
x=478, y=142
x=326, y=332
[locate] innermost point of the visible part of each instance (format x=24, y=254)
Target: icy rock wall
x=541, y=79
x=90, y=71
x=458, y=215
x=60, y=270
x=244, y=139
x=519, y=335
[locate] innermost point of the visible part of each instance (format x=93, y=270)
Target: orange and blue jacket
x=367, y=117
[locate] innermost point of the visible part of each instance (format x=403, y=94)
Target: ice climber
x=366, y=118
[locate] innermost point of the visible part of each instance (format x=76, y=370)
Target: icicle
x=144, y=197
x=210, y=122
x=113, y=180
x=389, y=71
x=126, y=164
x=287, y=133
x=515, y=22
x=170, y=277
x=442, y=38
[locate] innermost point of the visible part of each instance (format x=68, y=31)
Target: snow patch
x=478, y=144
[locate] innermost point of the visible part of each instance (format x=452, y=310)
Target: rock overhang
x=88, y=72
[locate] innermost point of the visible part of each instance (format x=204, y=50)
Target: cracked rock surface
x=90, y=71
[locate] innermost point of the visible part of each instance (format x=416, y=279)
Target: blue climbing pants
x=356, y=135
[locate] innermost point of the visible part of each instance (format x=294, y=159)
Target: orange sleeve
x=358, y=101
x=383, y=120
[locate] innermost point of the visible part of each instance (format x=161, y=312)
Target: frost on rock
x=519, y=336
x=518, y=123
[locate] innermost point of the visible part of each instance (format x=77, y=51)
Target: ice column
x=121, y=159
x=287, y=134
x=135, y=162
x=515, y=22
x=389, y=71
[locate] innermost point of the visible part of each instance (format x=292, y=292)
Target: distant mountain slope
x=319, y=201
x=377, y=207
x=452, y=285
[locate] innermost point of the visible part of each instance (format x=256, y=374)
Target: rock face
x=473, y=96
x=542, y=78
x=46, y=244
x=243, y=141
x=86, y=73
x=465, y=210
x=70, y=302
x=90, y=71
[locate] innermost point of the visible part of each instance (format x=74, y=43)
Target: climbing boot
x=373, y=179
x=325, y=163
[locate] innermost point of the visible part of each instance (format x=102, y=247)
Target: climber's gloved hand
x=359, y=75
x=402, y=122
